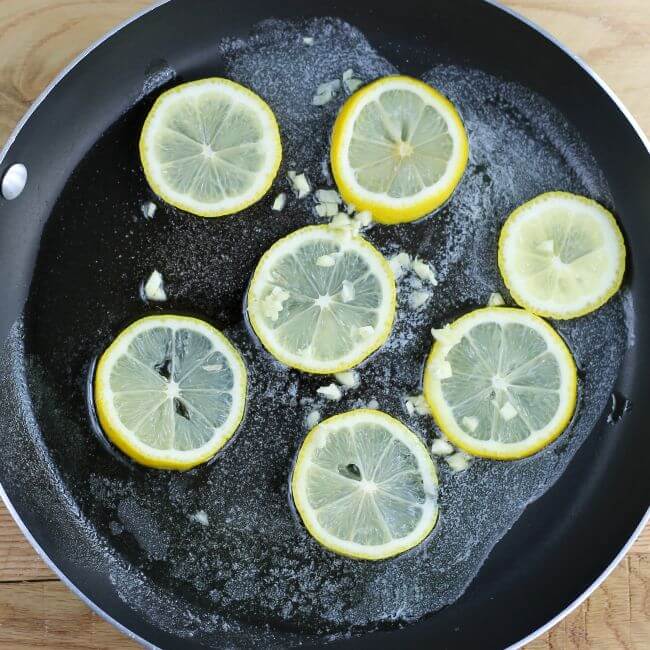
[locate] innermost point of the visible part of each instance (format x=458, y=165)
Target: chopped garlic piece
x=280, y=202
x=441, y=447
x=496, y=300
x=148, y=209
x=347, y=292
x=363, y=218
x=400, y=263
x=458, y=462
x=328, y=196
x=326, y=92
x=470, y=422
x=322, y=98
x=349, y=379
x=417, y=404
x=418, y=298
x=200, y=517
x=443, y=371
x=327, y=209
x=299, y=184
x=395, y=268
x=334, y=85
x=331, y=391
x=352, y=84
x=326, y=260
x=340, y=220
x=404, y=259
x=366, y=331
x=508, y=411
x=424, y=271
x=312, y=419
x=215, y=367
x=272, y=304
x=347, y=227
x=154, y=288
x=308, y=40
x=373, y=404
x=546, y=246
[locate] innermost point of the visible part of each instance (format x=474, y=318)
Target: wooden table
x=37, y=38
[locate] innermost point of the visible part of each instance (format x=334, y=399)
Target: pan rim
x=59, y=573
x=592, y=587
x=159, y=3
x=3, y=494
x=497, y=4
x=646, y=143
x=67, y=69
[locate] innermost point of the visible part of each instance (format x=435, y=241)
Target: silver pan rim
x=5, y=497
x=63, y=73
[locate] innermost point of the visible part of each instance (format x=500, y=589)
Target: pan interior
x=253, y=561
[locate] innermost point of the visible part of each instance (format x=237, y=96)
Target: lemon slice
x=170, y=391
x=561, y=255
x=399, y=149
x=320, y=301
x=365, y=486
x=210, y=147
x=500, y=383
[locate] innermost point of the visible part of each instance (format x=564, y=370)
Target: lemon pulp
x=500, y=383
x=561, y=255
x=170, y=391
x=210, y=147
x=322, y=302
x=399, y=149
x=365, y=485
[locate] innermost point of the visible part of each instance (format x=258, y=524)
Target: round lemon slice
x=210, y=147
x=321, y=301
x=170, y=391
x=365, y=486
x=500, y=383
x=399, y=149
x=561, y=255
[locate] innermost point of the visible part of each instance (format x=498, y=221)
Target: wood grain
x=639, y=589
x=611, y=36
x=37, y=39
x=18, y=561
x=46, y=615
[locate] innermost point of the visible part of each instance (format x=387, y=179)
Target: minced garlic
x=331, y=391
x=154, y=287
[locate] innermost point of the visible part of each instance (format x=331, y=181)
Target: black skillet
x=562, y=546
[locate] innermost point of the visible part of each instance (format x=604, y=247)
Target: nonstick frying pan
x=72, y=144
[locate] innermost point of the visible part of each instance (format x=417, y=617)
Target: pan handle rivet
x=14, y=181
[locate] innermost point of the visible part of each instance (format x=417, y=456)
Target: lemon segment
x=170, y=391
x=321, y=301
x=365, y=485
x=500, y=383
x=210, y=147
x=399, y=149
x=561, y=255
